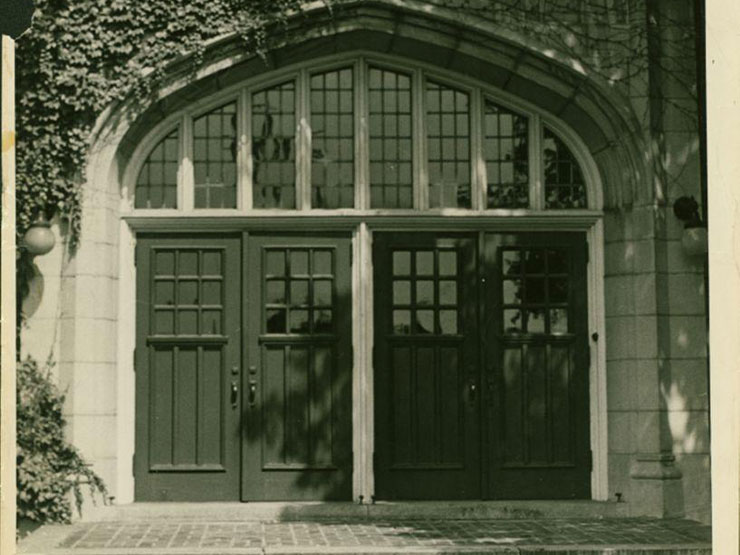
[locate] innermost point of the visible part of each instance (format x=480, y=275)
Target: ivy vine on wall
x=80, y=57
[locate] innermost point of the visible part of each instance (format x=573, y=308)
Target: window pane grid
x=273, y=147
x=448, y=146
x=505, y=149
x=392, y=150
x=332, y=139
x=564, y=184
x=299, y=291
x=535, y=290
x=391, y=179
x=214, y=158
x=156, y=185
x=424, y=292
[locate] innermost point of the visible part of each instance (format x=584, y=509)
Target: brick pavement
x=618, y=535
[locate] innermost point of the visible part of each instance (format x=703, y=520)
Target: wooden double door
x=481, y=366
x=243, y=368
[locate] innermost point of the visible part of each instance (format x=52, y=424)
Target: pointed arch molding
x=496, y=57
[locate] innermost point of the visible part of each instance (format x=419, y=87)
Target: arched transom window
x=362, y=134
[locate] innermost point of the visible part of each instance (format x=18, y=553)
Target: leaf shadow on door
x=302, y=433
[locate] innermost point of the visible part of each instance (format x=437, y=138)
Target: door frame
x=362, y=226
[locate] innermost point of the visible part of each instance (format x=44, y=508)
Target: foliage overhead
x=48, y=466
x=80, y=57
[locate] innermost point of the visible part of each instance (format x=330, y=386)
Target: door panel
x=298, y=418
x=426, y=368
x=536, y=357
x=187, y=417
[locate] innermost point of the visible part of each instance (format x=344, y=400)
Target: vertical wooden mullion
x=188, y=178
x=174, y=419
x=525, y=400
x=421, y=174
x=477, y=165
x=200, y=401
x=303, y=160
x=536, y=167
x=362, y=139
x=244, y=156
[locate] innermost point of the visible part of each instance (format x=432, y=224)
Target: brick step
x=384, y=510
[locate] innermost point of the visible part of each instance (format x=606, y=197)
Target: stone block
x=93, y=389
x=619, y=258
x=620, y=337
x=619, y=472
x=620, y=385
x=647, y=384
x=621, y=434
x=619, y=297
x=687, y=336
x=687, y=431
x=644, y=294
x=646, y=430
x=678, y=261
x=696, y=485
x=686, y=294
x=644, y=255
x=95, y=340
x=96, y=297
x=686, y=387
x=94, y=435
x=645, y=344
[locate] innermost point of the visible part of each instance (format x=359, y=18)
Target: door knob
x=234, y=394
x=473, y=390
x=252, y=392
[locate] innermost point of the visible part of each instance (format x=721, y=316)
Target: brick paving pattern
x=402, y=534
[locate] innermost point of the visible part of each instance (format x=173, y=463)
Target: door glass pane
x=273, y=147
x=156, y=185
x=214, y=158
x=432, y=297
x=309, y=286
x=389, y=100
x=332, y=139
x=535, y=297
x=448, y=146
x=506, y=151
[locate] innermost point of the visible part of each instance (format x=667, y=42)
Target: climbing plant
x=79, y=57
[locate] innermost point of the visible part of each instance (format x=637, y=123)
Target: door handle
x=252, y=392
x=472, y=392
x=234, y=394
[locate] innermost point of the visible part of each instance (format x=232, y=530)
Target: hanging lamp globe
x=39, y=238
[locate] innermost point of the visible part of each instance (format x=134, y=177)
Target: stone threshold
x=381, y=510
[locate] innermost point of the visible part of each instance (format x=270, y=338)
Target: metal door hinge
x=590, y=459
x=133, y=464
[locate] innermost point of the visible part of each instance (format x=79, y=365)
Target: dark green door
x=426, y=368
x=536, y=362
x=298, y=381
x=481, y=367
x=187, y=365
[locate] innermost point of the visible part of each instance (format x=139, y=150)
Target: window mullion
x=303, y=158
x=362, y=140
x=477, y=166
x=244, y=159
x=187, y=192
x=536, y=176
x=420, y=170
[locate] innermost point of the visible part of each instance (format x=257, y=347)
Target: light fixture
x=39, y=238
x=694, y=238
